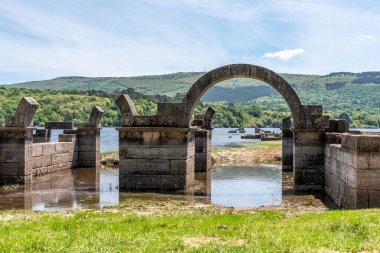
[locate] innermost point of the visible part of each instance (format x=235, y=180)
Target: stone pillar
x=16, y=155
x=88, y=147
x=16, y=141
x=308, y=159
x=202, y=150
x=156, y=158
x=287, y=145
x=89, y=140
x=203, y=143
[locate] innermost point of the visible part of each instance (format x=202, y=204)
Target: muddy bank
x=251, y=154
x=245, y=156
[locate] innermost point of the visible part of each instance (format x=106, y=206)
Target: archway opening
x=247, y=132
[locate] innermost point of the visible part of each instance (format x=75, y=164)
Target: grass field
x=178, y=226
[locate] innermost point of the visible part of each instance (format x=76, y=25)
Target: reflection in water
x=246, y=186
x=109, y=188
x=65, y=190
x=97, y=188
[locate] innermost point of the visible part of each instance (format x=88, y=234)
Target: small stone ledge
x=157, y=129
x=17, y=129
x=305, y=130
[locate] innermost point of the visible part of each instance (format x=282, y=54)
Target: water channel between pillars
x=229, y=186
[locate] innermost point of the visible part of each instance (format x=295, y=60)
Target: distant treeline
x=361, y=110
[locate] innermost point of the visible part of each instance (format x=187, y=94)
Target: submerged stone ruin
x=26, y=151
x=163, y=151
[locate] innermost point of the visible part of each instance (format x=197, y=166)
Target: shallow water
x=109, y=138
x=246, y=186
x=91, y=188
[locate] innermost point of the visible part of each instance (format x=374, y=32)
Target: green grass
x=268, y=145
x=125, y=231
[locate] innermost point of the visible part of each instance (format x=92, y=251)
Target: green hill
x=350, y=95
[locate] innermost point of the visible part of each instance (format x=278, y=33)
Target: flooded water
x=246, y=186
x=109, y=137
x=97, y=188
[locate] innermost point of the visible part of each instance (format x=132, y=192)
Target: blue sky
x=42, y=39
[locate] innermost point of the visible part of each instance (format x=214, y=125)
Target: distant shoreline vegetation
x=238, y=101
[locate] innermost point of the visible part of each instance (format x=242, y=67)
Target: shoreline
x=251, y=154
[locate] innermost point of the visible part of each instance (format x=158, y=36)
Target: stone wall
x=50, y=157
x=352, y=170
x=153, y=158
x=22, y=157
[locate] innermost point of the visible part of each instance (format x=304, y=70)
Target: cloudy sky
x=41, y=39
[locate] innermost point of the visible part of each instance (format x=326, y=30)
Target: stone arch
x=241, y=70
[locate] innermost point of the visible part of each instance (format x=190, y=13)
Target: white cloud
x=366, y=37
x=286, y=54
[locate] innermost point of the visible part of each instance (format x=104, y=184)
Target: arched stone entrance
x=157, y=152
x=241, y=70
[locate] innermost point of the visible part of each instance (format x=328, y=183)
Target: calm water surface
x=97, y=188
x=109, y=137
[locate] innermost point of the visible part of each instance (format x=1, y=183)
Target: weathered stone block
x=59, y=125
x=24, y=114
x=46, y=160
x=37, y=149
x=374, y=199
x=61, y=147
x=38, y=162
x=332, y=138
x=147, y=167
x=178, y=167
x=174, y=153
x=148, y=153
x=10, y=169
x=67, y=138
x=48, y=149
x=88, y=155
x=56, y=159
x=361, y=143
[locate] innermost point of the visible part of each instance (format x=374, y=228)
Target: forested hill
x=354, y=96
x=311, y=87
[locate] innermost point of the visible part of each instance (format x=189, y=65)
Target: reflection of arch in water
x=241, y=70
